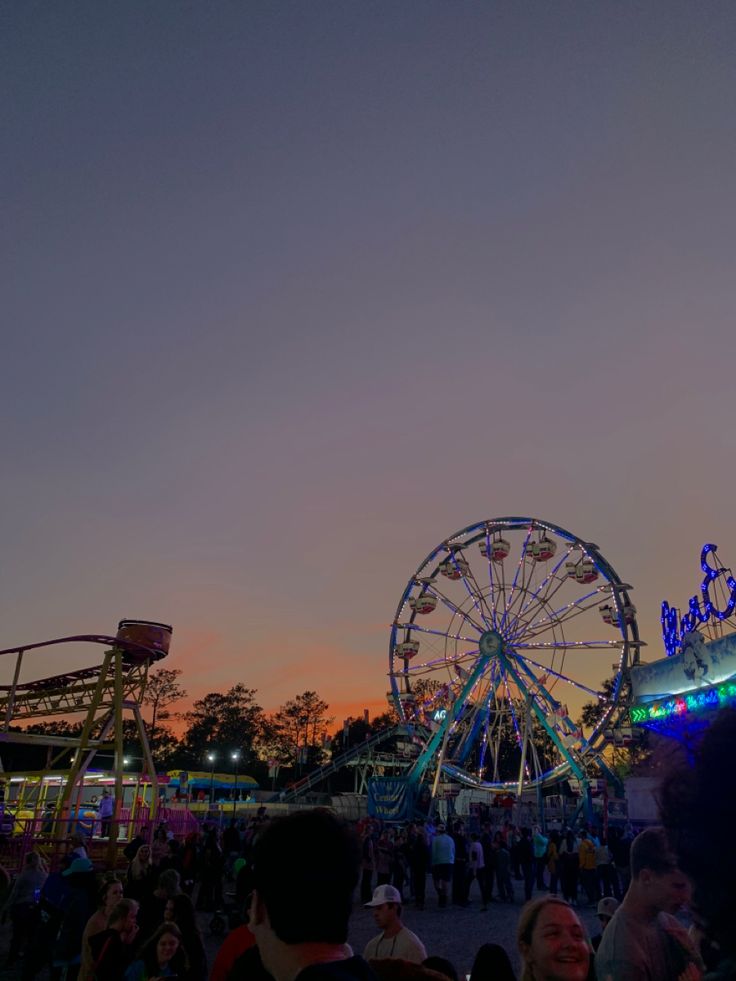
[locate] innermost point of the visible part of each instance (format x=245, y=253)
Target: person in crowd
x=164, y=826
x=211, y=868
x=552, y=942
x=140, y=880
x=394, y=940
x=698, y=809
x=621, y=848
x=77, y=847
x=553, y=855
x=52, y=903
x=489, y=863
x=21, y=903
x=110, y=894
x=644, y=941
x=476, y=869
x=79, y=904
x=417, y=852
x=153, y=905
x=161, y=957
x=604, y=868
x=113, y=949
x=189, y=862
x=586, y=862
x=492, y=963
x=384, y=858
x=442, y=966
x=569, y=863
x=232, y=949
x=399, y=862
x=172, y=859
x=460, y=880
x=606, y=908
x=141, y=837
x=159, y=847
x=180, y=910
x=367, y=863
x=513, y=840
x=105, y=812
x=230, y=958
x=305, y=870
x=539, y=844
x=526, y=861
x=443, y=861
x=503, y=869
x=231, y=844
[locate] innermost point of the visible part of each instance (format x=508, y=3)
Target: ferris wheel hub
x=491, y=643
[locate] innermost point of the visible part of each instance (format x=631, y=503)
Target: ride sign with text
x=700, y=609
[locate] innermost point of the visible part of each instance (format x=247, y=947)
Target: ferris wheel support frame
x=427, y=754
x=438, y=738
x=562, y=749
x=609, y=773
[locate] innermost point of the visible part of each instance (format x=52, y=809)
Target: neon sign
x=662, y=709
x=675, y=627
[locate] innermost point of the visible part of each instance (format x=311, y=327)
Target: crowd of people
x=132, y=925
x=294, y=880
x=582, y=866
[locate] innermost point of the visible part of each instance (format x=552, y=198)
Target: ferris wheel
x=500, y=636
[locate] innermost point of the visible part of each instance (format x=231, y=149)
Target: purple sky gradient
x=294, y=291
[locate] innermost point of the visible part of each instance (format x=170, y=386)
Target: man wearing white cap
x=606, y=908
x=394, y=940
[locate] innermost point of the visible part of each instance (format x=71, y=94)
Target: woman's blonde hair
x=140, y=866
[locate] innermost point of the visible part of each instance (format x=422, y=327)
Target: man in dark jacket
x=305, y=869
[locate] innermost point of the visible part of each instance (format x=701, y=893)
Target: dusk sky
x=294, y=291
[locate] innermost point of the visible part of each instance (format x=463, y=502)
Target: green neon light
x=694, y=701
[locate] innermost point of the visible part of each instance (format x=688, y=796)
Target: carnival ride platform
x=102, y=694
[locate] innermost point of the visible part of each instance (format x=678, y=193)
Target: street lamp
x=235, y=757
x=211, y=757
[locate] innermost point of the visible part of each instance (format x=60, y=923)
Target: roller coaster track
x=74, y=691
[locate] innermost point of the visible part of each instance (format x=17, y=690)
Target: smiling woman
x=161, y=957
x=552, y=942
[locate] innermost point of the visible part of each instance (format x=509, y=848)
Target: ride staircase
x=313, y=779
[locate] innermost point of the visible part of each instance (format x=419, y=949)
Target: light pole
x=235, y=757
x=211, y=757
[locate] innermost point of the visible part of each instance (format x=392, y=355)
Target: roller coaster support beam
x=118, y=800
x=13, y=689
x=78, y=767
